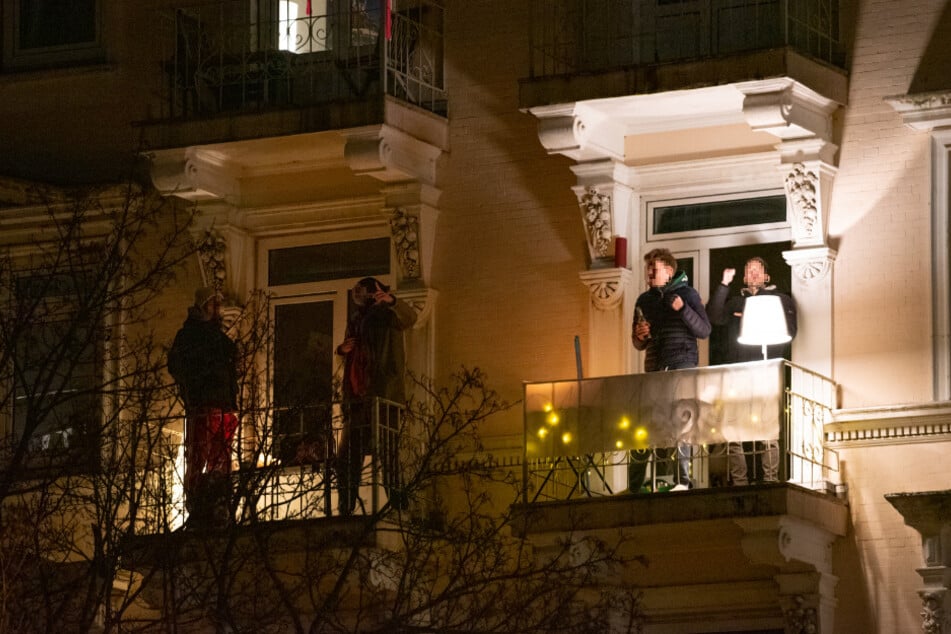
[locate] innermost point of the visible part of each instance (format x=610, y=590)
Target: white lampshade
x=763, y=323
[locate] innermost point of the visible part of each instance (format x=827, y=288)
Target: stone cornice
x=923, y=111
x=890, y=425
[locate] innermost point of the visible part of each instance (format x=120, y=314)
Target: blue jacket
x=674, y=334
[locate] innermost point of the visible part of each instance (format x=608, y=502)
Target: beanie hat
x=204, y=295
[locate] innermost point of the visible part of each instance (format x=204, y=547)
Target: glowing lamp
x=763, y=323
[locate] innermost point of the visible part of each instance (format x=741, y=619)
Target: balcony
x=287, y=470
x=588, y=49
x=713, y=552
x=288, y=74
x=586, y=438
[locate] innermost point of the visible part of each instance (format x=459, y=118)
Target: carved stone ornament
x=801, y=618
x=607, y=286
x=810, y=264
x=802, y=188
x=596, y=212
x=812, y=271
x=405, y=228
x=423, y=301
x=211, y=253
x=605, y=295
x=933, y=618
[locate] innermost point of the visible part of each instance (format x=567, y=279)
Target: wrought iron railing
x=577, y=36
x=226, y=57
x=289, y=464
x=414, y=60
x=634, y=433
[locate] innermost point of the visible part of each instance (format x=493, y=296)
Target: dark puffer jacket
x=202, y=362
x=674, y=334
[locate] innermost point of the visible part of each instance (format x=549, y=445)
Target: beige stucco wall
x=510, y=244
x=880, y=216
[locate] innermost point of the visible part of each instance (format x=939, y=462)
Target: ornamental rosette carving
x=812, y=271
x=801, y=619
x=596, y=211
x=606, y=294
x=802, y=188
x=212, y=250
x=405, y=229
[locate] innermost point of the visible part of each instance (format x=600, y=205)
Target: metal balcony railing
x=232, y=57
x=414, y=55
x=588, y=438
x=579, y=36
x=288, y=466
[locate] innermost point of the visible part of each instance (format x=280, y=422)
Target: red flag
x=388, y=14
x=307, y=10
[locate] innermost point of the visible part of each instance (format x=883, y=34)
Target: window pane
x=46, y=23
x=716, y=215
x=57, y=368
x=303, y=371
x=323, y=262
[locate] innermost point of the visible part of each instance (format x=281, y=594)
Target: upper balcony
x=589, y=50
x=228, y=71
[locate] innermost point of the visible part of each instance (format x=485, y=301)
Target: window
x=49, y=33
x=56, y=370
x=323, y=262
x=313, y=26
x=719, y=214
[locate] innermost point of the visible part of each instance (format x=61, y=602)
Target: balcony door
x=707, y=235
x=308, y=281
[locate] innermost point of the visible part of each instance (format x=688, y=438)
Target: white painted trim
x=941, y=267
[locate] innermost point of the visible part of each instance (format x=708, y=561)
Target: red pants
x=208, y=435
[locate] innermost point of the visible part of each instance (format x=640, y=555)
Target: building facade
x=505, y=166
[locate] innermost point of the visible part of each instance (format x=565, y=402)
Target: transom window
x=719, y=214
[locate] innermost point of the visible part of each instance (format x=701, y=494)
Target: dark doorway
x=736, y=257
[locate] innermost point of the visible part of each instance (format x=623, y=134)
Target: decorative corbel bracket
x=193, y=174
x=423, y=301
x=812, y=264
x=390, y=155
x=787, y=109
x=607, y=287
x=929, y=513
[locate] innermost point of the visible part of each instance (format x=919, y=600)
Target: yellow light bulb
x=548, y=407
x=619, y=444
x=625, y=423
x=566, y=438
x=640, y=434
x=542, y=432
x=553, y=418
